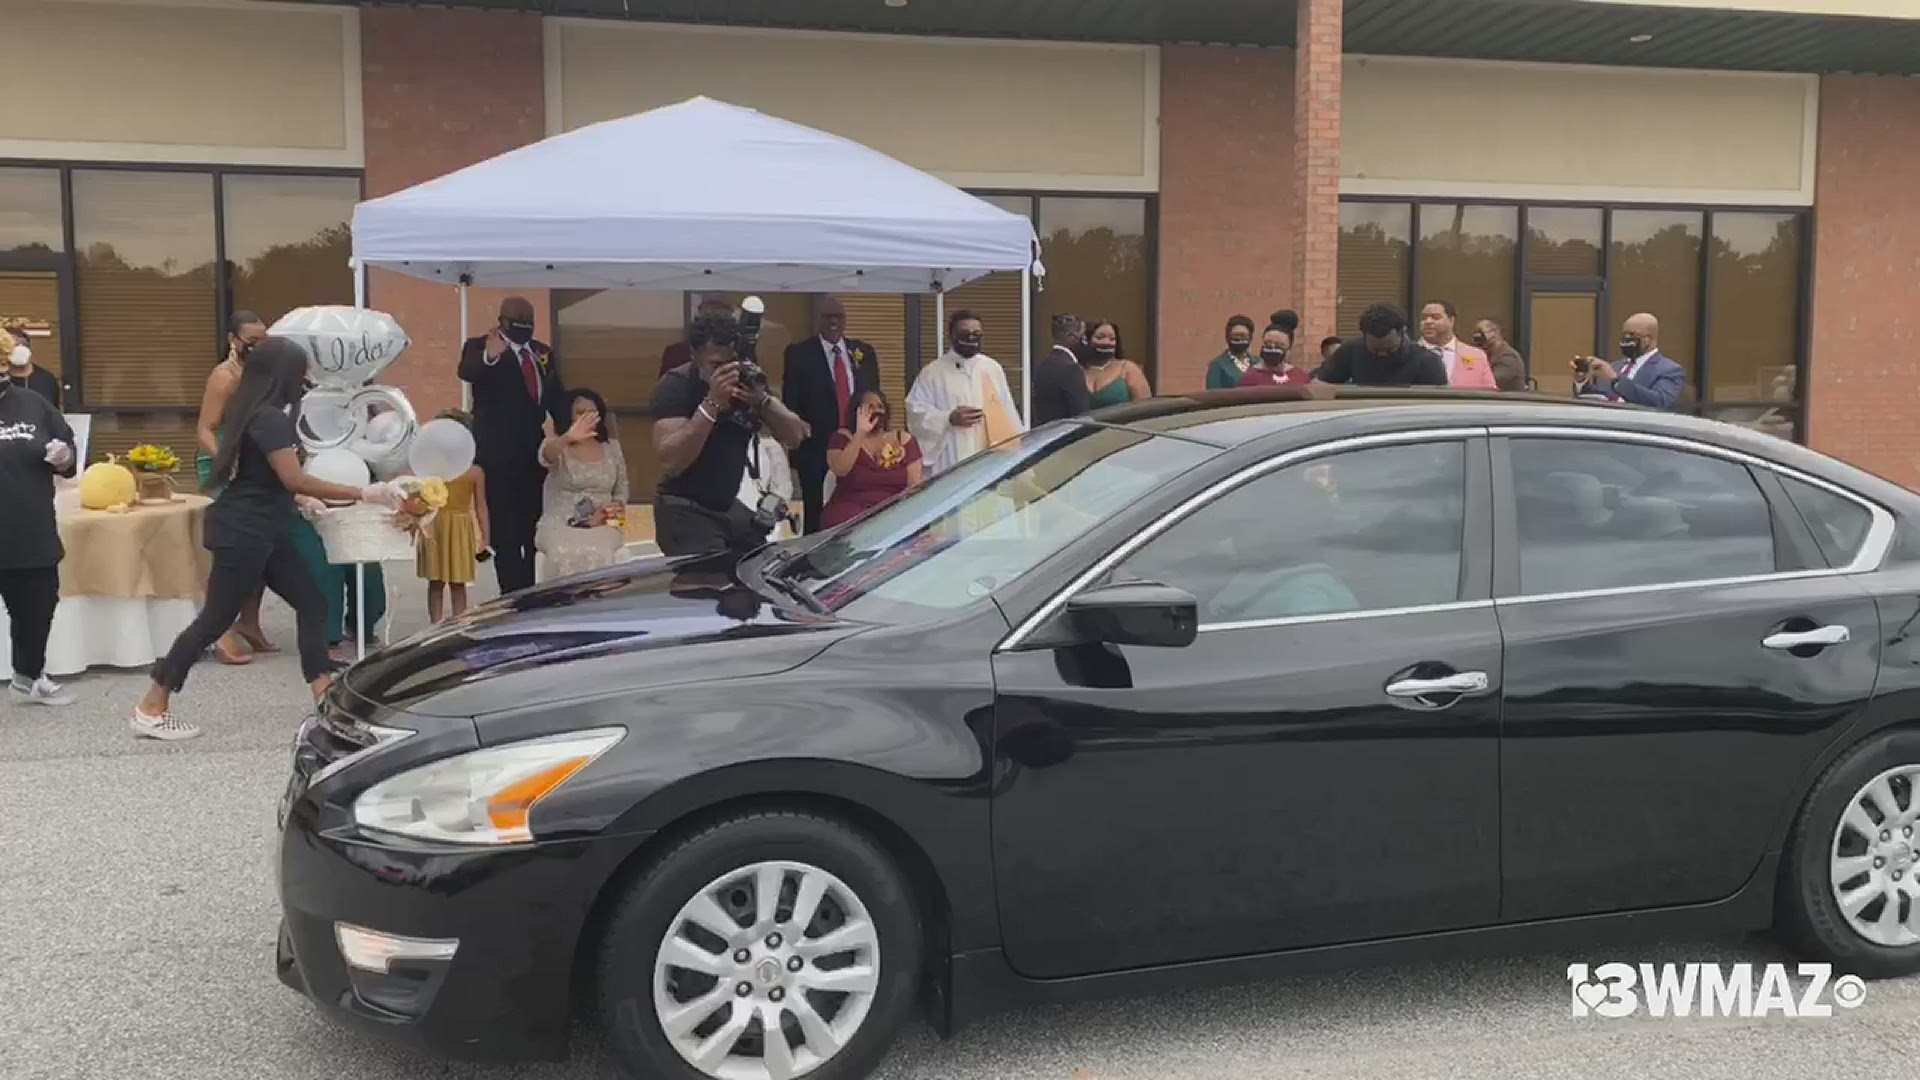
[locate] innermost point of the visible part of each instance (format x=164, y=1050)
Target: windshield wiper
x=774, y=574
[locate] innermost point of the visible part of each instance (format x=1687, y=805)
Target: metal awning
x=1562, y=31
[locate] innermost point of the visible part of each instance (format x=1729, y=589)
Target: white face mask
x=22, y=356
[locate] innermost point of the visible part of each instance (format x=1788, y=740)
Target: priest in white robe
x=961, y=404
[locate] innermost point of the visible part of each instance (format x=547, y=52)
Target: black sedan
x=1200, y=689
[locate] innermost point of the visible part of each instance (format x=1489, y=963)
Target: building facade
x=1743, y=169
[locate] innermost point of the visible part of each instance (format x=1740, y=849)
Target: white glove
x=309, y=506
x=384, y=494
x=59, y=454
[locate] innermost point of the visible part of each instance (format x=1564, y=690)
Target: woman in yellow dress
x=454, y=540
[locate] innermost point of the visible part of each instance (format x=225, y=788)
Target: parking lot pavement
x=137, y=916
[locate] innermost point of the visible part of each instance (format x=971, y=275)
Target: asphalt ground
x=137, y=918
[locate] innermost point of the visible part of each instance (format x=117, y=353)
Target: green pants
x=336, y=584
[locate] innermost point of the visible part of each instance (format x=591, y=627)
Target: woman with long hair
x=244, y=331
x=247, y=531
x=1112, y=379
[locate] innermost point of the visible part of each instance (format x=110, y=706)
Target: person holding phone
x=585, y=505
x=871, y=462
x=1643, y=376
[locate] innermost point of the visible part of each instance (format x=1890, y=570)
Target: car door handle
x=1465, y=682
x=1801, y=639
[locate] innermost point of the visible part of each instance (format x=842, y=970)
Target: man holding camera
x=707, y=417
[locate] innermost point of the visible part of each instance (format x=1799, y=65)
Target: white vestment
x=950, y=383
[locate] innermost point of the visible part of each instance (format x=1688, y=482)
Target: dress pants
x=514, y=494
x=813, y=486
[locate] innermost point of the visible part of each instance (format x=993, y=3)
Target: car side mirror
x=1135, y=613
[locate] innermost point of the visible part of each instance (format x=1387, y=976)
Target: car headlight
x=483, y=796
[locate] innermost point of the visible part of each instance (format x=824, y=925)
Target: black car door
x=1677, y=652
x=1320, y=765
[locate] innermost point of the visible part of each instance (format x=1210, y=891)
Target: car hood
x=637, y=626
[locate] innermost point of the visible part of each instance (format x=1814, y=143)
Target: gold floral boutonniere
x=891, y=455
x=542, y=360
x=859, y=355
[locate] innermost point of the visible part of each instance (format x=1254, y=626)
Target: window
x=1467, y=257
x=30, y=210
x=1095, y=251
x=1597, y=514
x=144, y=267
x=1563, y=241
x=1366, y=530
x=288, y=241
x=1656, y=268
x=982, y=524
x=1755, y=306
x=1374, y=261
x=1839, y=524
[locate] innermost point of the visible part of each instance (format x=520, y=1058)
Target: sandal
x=227, y=654
x=256, y=640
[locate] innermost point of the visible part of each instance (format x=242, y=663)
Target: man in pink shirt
x=1467, y=367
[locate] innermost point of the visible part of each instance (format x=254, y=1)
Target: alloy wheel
x=1875, y=856
x=766, y=972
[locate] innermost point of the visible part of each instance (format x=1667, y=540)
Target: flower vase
x=155, y=487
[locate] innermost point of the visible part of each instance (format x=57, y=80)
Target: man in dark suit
x=1642, y=377
x=824, y=373
x=516, y=394
x=1059, y=382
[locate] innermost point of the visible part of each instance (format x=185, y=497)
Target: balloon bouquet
x=355, y=432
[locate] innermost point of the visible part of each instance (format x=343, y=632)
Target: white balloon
x=442, y=448
x=338, y=466
x=345, y=346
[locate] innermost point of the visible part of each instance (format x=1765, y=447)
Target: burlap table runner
x=145, y=553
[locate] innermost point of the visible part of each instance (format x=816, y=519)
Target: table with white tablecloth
x=130, y=582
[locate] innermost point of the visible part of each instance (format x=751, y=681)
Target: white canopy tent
x=700, y=196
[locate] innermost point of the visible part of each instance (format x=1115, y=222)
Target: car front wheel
x=1852, y=896
x=767, y=946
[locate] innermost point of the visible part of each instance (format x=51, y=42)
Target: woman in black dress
x=248, y=531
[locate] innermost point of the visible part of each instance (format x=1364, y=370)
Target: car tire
x=631, y=977
x=1810, y=914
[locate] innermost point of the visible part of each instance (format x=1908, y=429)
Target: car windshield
x=987, y=521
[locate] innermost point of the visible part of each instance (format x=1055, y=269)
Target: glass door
x=36, y=291
x=1561, y=325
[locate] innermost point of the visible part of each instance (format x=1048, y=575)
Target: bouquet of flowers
x=149, y=458
x=424, y=497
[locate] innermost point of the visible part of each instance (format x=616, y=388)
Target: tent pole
x=360, y=610
x=939, y=323
x=359, y=283
x=1026, y=345
x=466, y=388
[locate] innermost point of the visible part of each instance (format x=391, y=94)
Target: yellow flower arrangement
x=153, y=459
x=433, y=492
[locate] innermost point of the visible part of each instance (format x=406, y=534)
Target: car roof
x=1231, y=419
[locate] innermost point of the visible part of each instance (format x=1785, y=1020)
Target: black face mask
x=1480, y=341
x=518, y=332
x=1238, y=348
x=242, y=347
x=1105, y=352
x=967, y=347
x=1631, y=348
x=1273, y=357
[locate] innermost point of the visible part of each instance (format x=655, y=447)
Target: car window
x=1598, y=514
x=987, y=521
x=1839, y=524
x=1364, y=530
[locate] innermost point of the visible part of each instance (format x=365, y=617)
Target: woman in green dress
x=1112, y=379
x=244, y=331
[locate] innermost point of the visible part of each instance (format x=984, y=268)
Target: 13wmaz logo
x=1616, y=990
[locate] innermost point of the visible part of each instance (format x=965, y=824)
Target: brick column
x=442, y=89
x=1316, y=167
x=1866, y=276
x=1226, y=234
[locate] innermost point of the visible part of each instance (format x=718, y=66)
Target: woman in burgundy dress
x=871, y=463
x=1274, y=369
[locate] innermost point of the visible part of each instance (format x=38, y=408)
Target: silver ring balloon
x=346, y=349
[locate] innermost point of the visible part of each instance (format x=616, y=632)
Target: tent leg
x=1026, y=345
x=466, y=388
x=939, y=324
x=360, y=610
x=359, y=283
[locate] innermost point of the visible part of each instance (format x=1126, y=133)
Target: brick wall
x=1316, y=165
x=441, y=90
x=1226, y=185
x=1865, y=364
